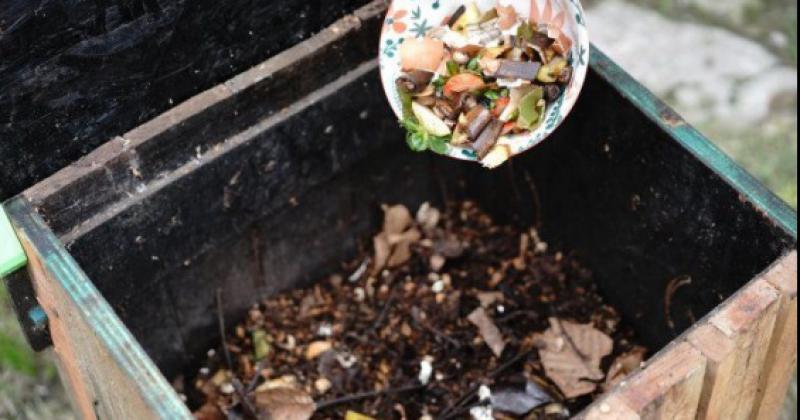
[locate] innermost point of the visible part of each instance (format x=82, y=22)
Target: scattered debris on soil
x=450, y=316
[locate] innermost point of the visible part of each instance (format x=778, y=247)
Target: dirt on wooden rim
x=448, y=316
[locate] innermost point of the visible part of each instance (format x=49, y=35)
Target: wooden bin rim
x=767, y=299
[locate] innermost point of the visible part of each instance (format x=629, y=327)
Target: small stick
x=254, y=382
x=235, y=382
x=364, y=395
x=221, y=324
x=385, y=311
x=449, y=413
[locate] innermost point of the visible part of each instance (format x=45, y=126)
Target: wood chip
x=623, y=365
x=572, y=356
x=284, y=404
x=316, y=348
x=489, y=332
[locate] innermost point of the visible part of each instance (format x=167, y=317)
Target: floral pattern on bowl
x=414, y=18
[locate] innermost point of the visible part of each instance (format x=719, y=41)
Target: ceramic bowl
x=414, y=18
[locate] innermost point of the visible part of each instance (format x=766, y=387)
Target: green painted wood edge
x=98, y=314
x=12, y=257
x=696, y=143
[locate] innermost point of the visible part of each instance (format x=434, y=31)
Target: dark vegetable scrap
x=482, y=76
x=445, y=315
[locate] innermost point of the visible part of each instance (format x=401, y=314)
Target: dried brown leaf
x=401, y=251
x=382, y=250
x=572, y=356
x=284, y=404
x=623, y=365
x=209, y=411
x=488, y=298
x=396, y=219
x=488, y=330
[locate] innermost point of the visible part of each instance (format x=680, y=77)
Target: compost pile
x=448, y=316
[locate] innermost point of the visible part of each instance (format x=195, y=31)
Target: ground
x=729, y=67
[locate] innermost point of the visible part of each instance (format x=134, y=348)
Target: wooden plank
x=781, y=360
x=610, y=407
x=735, y=340
x=118, y=72
x=126, y=164
x=106, y=371
x=669, y=387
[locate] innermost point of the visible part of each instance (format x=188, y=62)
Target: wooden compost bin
x=265, y=182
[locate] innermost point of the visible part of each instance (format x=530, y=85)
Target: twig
x=584, y=358
x=235, y=382
x=221, y=324
x=438, y=333
x=456, y=409
x=365, y=395
x=385, y=311
x=254, y=382
x=537, y=202
x=248, y=406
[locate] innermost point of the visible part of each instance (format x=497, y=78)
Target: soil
x=361, y=340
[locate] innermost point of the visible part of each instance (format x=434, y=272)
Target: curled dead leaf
x=284, y=404
x=489, y=332
x=401, y=251
x=396, y=219
x=381, y=252
x=572, y=355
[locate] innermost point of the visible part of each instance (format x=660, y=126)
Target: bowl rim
x=581, y=44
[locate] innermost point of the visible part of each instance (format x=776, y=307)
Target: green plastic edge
x=696, y=143
x=98, y=314
x=12, y=257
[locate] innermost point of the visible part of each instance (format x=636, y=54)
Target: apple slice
x=429, y=121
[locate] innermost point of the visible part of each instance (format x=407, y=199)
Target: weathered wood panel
x=667, y=389
x=75, y=73
x=105, y=370
x=127, y=163
x=736, y=340
x=781, y=361
x=736, y=363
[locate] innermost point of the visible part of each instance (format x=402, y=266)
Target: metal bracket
x=31, y=316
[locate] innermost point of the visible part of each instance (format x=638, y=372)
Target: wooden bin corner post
x=750, y=343
x=669, y=388
x=106, y=371
x=781, y=360
x=737, y=363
